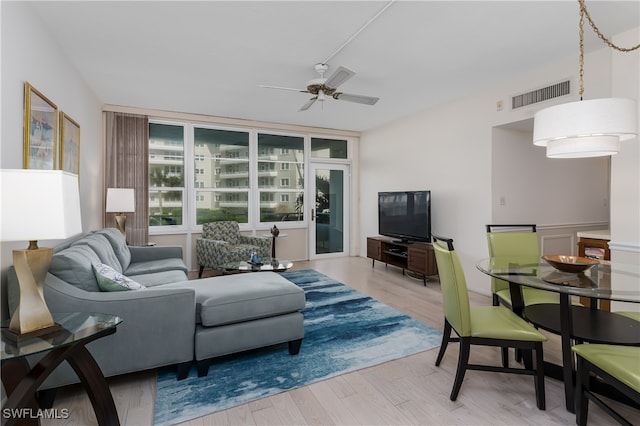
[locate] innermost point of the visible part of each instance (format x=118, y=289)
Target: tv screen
x=405, y=215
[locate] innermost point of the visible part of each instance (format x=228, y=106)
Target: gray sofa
x=173, y=320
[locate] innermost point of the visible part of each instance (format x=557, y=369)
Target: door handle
x=313, y=215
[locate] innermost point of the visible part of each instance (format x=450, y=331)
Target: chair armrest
x=262, y=242
x=209, y=251
x=144, y=254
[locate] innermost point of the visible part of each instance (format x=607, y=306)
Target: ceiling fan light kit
x=586, y=128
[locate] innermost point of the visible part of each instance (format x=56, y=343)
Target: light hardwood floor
x=408, y=391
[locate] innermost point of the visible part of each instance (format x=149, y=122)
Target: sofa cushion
x=75, y=266
x=111, y=280
x=160, y=278
x=153, y=266
x=101, y=246
x=118, y=244
x=243, y=297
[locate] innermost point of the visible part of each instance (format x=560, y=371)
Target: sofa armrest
x=158, y=327
x=145, y=254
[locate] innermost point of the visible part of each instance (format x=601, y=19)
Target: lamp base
x=15, y=337
x=121, y=223
x=32, y=313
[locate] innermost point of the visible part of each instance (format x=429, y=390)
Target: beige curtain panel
x=127, y=166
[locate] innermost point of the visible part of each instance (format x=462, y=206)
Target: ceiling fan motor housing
x=316, y=85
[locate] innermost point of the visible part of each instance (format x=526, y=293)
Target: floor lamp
x=36, y=205
x=121, y=201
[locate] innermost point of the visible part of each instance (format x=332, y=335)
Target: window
x=166, y=174
x=328, y=148
x=224, y=172
x=199, y=174
x=288, y=152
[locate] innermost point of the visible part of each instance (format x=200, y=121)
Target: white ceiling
x=208, y=57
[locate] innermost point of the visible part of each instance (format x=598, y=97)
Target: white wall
x=625, y=169
x=29, y=54
x=572, y=191
x=448, y=150
x=625, y=173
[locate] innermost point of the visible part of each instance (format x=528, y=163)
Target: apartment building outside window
x=281, y=160
x=166, y=174
x=225, y=173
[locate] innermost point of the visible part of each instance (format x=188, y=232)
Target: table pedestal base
x=22, y=383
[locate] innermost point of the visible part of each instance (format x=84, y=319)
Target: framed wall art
x=40, y=130
x=69, y=144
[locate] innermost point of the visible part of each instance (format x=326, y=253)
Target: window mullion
x=189, y=186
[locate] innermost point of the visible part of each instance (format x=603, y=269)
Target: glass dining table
x=604, y=281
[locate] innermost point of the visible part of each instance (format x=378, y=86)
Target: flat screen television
x=405, y=215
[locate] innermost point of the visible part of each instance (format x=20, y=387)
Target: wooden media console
x=416, y=258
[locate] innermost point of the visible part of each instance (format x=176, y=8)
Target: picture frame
x=40, y=130
x=69, y=159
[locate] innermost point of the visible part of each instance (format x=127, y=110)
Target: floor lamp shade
x=121, y=201
x=36, y=205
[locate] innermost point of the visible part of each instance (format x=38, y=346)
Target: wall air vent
x=539, y=95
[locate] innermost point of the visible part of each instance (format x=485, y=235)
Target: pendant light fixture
x=589, y=128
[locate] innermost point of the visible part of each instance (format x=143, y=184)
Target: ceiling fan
x=323, y=87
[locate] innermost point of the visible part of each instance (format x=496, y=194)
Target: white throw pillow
x=111, y=280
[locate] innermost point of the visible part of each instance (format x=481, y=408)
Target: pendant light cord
x=585, y=13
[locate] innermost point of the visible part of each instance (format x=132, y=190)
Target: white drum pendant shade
x=590, y=146
x=591, y=124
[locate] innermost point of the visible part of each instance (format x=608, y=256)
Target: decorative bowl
x=573, y=264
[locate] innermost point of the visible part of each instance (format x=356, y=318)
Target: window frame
x=190, y=188
x=168, y=229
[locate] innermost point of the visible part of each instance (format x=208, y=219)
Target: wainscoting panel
x=558, y=244
x=563, y=238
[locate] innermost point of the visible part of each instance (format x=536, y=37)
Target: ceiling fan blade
x=341, y=75
x=367, y=100
x=283, y=88
x=308, y=104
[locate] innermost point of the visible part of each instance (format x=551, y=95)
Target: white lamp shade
x=120, y=200
x=596, y=117
x=592, y=146
x=39, y=205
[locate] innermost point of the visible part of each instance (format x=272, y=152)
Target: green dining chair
x=516, y=241
x=618, y=366
x=482, y=325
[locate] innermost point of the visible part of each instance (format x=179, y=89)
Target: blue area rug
x=344, y=331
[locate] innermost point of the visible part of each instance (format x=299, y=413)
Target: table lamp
x=36, y=205
x=121, y=201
